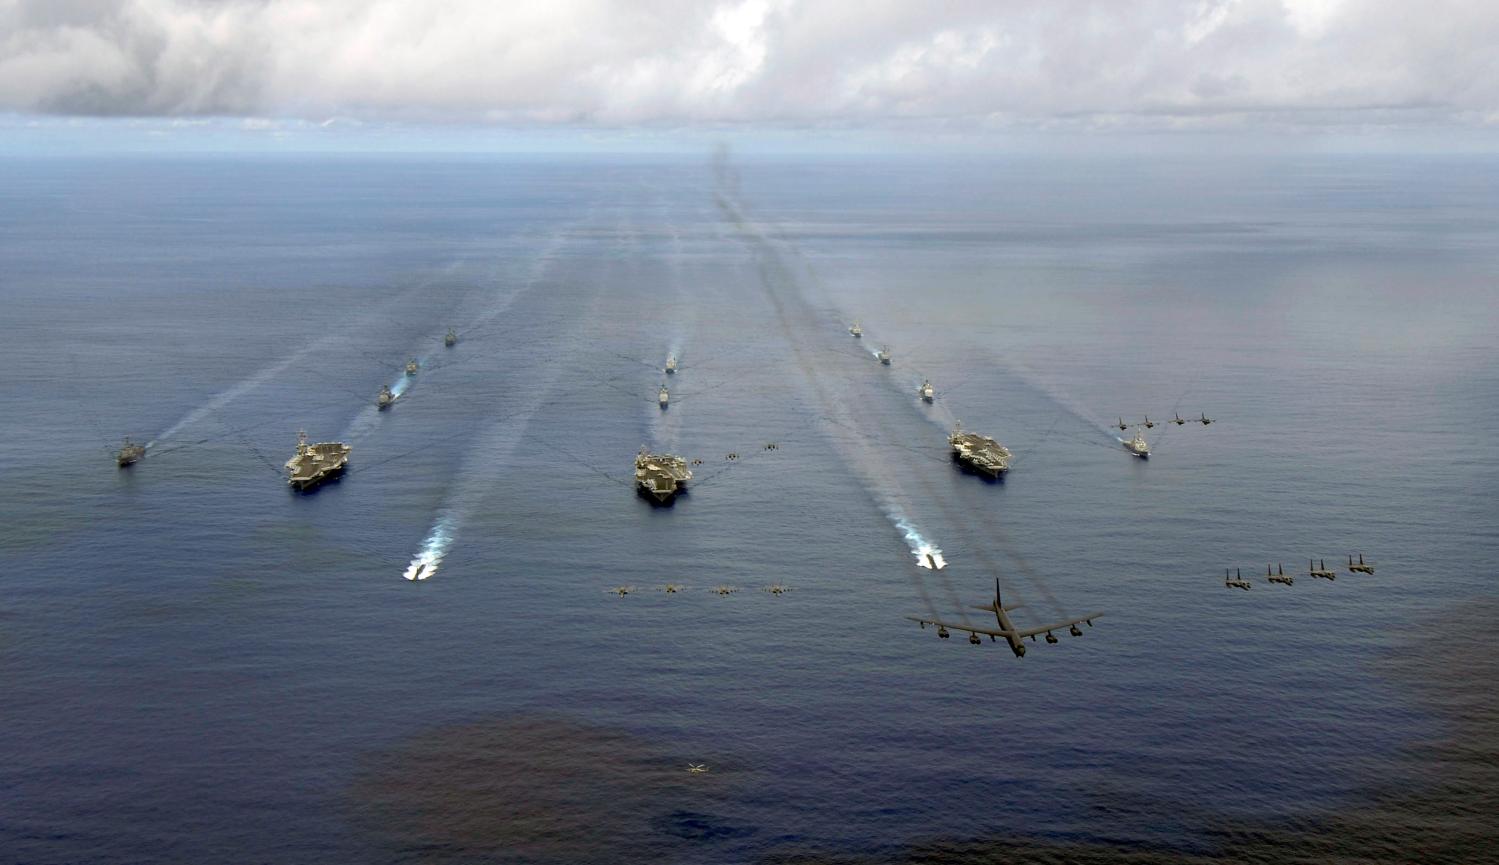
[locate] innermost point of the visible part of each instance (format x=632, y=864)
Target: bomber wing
x=990, y=632
x=1057, y=626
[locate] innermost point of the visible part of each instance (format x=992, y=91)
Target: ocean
x=198, y=664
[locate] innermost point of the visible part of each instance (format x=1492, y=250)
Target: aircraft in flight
x=1007, y=630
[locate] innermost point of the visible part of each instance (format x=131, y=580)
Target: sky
x=775, y=74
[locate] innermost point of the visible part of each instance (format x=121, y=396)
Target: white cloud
x=1141, y=63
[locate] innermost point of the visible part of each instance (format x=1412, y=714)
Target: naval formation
x=661, y=477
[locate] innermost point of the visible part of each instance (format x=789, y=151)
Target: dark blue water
x=198, y=665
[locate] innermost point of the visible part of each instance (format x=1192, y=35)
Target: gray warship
x=385, y=398
x=663, y=397
x=857, y=331
x=451, y=339
x=660, y=477
x=412, y=367
x=129, y=453
x=1137, y=445
x=671, y=364
x=979, y=453
x=927, y=392
x=884, y=356
x=315, y=463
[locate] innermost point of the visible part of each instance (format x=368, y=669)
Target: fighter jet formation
x=1316, y=568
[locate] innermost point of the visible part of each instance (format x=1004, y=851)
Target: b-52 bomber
x=1007, y=630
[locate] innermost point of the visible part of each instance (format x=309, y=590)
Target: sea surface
x=198, y=664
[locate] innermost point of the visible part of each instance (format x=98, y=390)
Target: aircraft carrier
x=660, y=477
x=315, y=463
x=979, y=453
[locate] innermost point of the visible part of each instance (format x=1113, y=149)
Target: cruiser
x=660, y=477
x=129, y=453
x=1137, y=445
x=315, y=463
x=857, y=331
x=884, y=355
x=927, y=392
x=671, y=364
x=979, y=453
x=451, y=339
x=385, y=398
x=412, y=367
x=662, y=396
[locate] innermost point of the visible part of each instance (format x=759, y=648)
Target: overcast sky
x=872, y=66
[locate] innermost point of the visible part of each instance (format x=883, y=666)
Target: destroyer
x=129, y=453
x=671, y=364
x=884, y=356
x=315, y=463
x=660, y=477
x=385, y=398
x=979, y=453
x=857, y=331
x=451, y=339
x=412, y=367
x=927, y=392
x=663, y=397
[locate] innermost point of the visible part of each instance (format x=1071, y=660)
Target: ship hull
x=303, y=485
x=987, y=472
x=658, y=498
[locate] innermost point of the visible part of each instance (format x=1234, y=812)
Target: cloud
x=869, y=64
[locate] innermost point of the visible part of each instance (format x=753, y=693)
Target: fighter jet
x=1122, y=424
x=673, y=588
x=1007, y=629
x=621, y=590
x=1361, y=567
x=1149, y=424
x=697, y=768
x=1321, y=570
x=1280, y=576
x=1178, y=420
x=724, y=590
x=1204, y=420
x=778, y=588
x=1237, y=582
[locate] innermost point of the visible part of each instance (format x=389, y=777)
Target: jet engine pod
x=942, y=632
x=974, y=639
x=1051, y=638
x=1074, y=631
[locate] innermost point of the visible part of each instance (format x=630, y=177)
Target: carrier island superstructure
x=979, y=453
x=315, y=463
x=660, y=477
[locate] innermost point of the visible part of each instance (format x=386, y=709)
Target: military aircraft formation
x=1177, y=419
x=1316, y=568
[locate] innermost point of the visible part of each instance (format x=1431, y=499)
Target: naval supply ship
x=315, y=463
x=660, y=477
x=979, y=453
x=129, y=453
